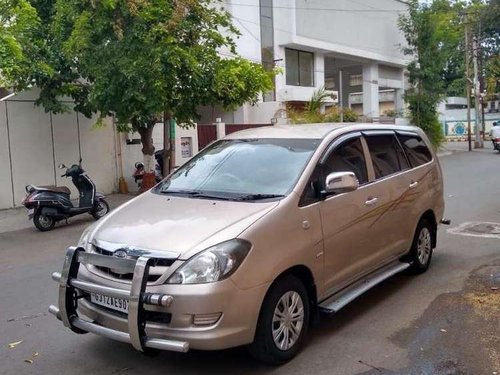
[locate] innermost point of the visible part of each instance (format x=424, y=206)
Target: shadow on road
x=237, y=360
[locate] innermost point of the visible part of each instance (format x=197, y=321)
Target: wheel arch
x=305, y=275
x=430, y=216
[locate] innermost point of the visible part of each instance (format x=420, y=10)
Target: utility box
x=186, y=144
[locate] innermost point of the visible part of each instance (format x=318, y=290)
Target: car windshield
x=242, y=169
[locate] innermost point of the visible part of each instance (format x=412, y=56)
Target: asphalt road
x=446, y=321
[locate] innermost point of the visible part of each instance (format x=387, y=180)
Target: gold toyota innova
x=248, y=241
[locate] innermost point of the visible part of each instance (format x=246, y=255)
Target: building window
x=267, y=40
x=355, y=80
x=299, y=68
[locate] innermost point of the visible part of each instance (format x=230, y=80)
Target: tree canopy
x=134, y=59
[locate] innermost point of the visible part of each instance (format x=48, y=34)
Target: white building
x=453, y=117
x=320, y=43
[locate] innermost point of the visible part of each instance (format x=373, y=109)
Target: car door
x=348, y=220
x=423, y=180
x=392, y=186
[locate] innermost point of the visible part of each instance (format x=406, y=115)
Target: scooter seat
x=52, y=188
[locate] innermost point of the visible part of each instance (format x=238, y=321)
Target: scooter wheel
x=101, y=208
x=43, y=223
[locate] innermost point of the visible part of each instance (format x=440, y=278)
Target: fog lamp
x=206, y=319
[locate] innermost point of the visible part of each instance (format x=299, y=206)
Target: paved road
x=443, y=322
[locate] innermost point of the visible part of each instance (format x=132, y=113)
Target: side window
x=403, y=161
x=417, y=151
x=386, y=154
x=311, y=191
x=348, y=157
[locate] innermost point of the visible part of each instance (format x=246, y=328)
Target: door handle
x=413, y=184
x=371, y=201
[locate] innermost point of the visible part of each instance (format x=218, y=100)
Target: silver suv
x=254, y=236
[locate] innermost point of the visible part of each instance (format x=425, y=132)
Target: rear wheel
x=421, y=250
x=101, y=208
x=283, y=322
x=43, y=223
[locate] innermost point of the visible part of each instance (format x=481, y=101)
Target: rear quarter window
x=417, y=151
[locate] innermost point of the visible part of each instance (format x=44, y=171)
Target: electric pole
x=341, y=98
x=477, y=94
x=467, y=80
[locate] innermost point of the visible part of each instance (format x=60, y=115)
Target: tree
x=17, y=20
x=140, y=59
x=144, y=58
x=31, y=56
x=432, y=34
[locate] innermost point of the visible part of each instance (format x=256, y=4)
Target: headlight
x=214, y=264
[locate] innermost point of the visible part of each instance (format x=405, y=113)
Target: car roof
x=311, y=131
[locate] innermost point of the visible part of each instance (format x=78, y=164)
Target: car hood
x=180, y=225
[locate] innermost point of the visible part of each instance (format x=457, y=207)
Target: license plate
x=31, y=211
x=114, y=303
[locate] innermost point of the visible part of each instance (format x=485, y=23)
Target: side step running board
x=337, y=301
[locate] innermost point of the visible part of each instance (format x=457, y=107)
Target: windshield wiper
x=256, y=197
x=206, y=195
x=180, y=192
x=197, y=194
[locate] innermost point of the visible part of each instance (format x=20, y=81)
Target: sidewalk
x=464, y=146
x=17, y=219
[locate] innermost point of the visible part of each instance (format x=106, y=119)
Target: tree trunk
x=166, y=143
x=148, y=152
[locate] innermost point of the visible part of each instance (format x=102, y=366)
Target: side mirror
x=61, y=166
x=340, y=182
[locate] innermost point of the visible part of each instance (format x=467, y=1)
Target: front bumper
x=239, y=308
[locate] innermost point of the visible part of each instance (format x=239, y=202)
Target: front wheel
x=43, y=223
x=421, y=249
x=283, y=322
x=101, y=208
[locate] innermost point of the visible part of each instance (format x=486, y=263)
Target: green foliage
x=318, y=98
x=493, y=75
x=311, y=114
x=431, y=32
x=31, y=56
x=140, y=58
x=237, y=81
x=18, y=19
x=134, y=59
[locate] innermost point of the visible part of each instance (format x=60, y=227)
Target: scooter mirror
x=61, y=166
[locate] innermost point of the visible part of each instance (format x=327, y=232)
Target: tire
x=101, y=208
x=421, y=250
x=43, y=223
x=265, y=348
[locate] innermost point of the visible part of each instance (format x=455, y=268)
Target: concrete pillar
x=319, y=70
x=220, y=129
x=370, y=90
x=399, y=101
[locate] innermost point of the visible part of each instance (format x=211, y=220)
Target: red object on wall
x=206, y=135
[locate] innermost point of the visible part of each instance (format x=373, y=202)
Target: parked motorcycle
x=49, y=204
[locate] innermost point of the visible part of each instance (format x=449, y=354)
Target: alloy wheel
x=424, y=246
x=288, y=320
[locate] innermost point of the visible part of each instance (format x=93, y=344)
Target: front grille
x=155, y=272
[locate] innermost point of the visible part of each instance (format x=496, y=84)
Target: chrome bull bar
x=137, y=297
